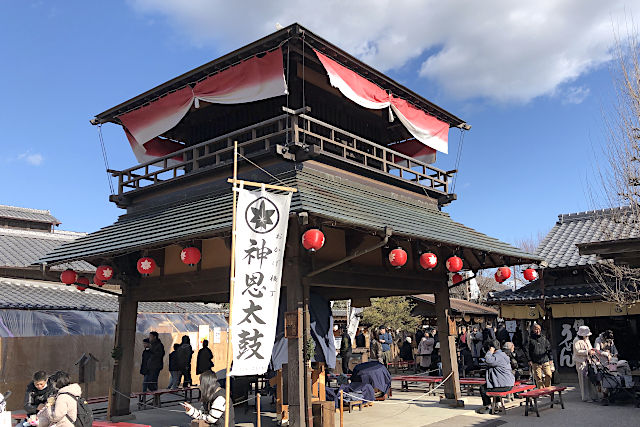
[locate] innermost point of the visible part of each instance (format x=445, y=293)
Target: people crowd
x=53, y=400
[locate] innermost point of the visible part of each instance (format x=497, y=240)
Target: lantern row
x=312, y=240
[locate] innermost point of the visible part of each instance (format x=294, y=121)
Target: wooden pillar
x=307, y=336
x=295, y=303
x=448, y=356
x=125, y=343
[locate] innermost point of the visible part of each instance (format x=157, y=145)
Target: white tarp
x=261, y=233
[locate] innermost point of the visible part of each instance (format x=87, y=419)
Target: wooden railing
x=252, y=140
x=287, y=129
x=351, y=148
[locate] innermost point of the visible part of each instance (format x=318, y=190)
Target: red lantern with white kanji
x=454, y=264
x=530, y=274
x=457, y=278
x=190, y=255
x=146, y=265
x=99, y=283
x=313, y=239
x=398, y=257
x=82, y=283
x=428, y=260
x=498, y=278
x=104, y=273
x=503, y=273
x=69, y=277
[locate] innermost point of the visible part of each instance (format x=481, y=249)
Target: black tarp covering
x=374, y=373
x=321, y=331
x=357, y=391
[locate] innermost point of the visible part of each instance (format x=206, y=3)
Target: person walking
x=581, y=351
x=345, y=350
x=144, y=364
x=375, y=349
x=476, y=343
x=538, y=353
x=156, y=361
x=488, y=334
x=183, y=358
x=425, y=349
x=204, y=361
x=174, y=369
x=213, y=400
x=502, y=335
x=499, y=376
x=385, y=339
x=406, y=351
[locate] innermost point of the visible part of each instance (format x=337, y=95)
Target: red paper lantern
x=313, y=239
x=530, y=274
x=457, y=278
x=104, y=273
x=190, y=255
x=498, y=278
x=146, y=265
x=99, y=283
x=503, y=273
x=82, y=283
x=428, y=260
x=454, y=264
x=398, y=257
x=69, y=277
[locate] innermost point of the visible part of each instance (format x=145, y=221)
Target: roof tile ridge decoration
x=27, y=210
x=592, y=214
x=42, y=234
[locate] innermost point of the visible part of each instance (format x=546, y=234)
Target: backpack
x=85, y=415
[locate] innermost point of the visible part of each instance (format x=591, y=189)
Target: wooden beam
x=372, y=281
x=192, y=284
x=472, y=259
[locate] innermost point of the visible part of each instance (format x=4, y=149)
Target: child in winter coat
x=62, y=410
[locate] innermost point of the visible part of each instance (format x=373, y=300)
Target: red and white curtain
x=252, y=80
x=424, y=128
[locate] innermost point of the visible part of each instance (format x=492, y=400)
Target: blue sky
x=537, y=125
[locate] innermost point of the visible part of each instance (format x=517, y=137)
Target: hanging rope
x=263, y=170
x=288, y=85
x=304, y=99
x=458, y=156
x=104, y=158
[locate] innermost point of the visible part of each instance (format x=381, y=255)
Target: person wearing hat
x=581, y=351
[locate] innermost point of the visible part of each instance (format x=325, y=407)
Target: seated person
x=62, y=410
x=213, y=401
x=499, y=375
x=38, y=391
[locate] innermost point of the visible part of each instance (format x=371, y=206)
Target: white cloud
x=494, y=49
x=575, y=94
x=31, y=158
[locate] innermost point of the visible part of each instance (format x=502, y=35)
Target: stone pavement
x=428, y=412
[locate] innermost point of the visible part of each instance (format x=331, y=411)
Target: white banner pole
x=231, y=286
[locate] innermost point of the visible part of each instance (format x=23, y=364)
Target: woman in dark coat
x=205, y=358
x=406, y=351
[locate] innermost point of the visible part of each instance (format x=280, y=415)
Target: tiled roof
x=41, y=295
x=531, y=292
x=319, y=193
x=27, y=214
x=559, y=246
x=22, y=248
x=459, y=305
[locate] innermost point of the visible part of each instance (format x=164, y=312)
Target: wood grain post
x=341, y=408
x=125, y=340
x=295, y=303
x=446, y=333
x=259, y=422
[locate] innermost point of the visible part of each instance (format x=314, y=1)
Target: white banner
x=261, y=232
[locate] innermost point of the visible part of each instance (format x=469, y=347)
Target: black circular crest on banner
x=262, y=215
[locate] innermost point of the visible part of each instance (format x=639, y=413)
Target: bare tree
x=486, y=283
x=619, y=181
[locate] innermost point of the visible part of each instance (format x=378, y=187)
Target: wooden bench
x=403, y=365
x=497, y=405
x=184, y=395
x=535, y=394
x=467, y=383
x=110, y=424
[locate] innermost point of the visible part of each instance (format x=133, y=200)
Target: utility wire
x=104, y=157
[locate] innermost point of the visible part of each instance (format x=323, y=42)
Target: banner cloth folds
x=261, y=232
